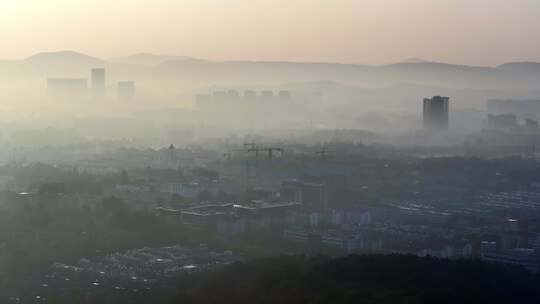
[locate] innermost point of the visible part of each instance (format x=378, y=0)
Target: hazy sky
x=483, y=32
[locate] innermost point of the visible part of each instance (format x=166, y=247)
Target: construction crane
x=323, y=153
x=250, y=145
x=271, y=151
x=228, y=155
x=255, y=149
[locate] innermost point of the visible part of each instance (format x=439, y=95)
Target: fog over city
x=269, y=151
x=211, y=99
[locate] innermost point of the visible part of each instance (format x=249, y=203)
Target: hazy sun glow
x=484, y=32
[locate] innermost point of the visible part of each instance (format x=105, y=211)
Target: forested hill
x=362, y=279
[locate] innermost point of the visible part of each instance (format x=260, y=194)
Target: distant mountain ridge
x=155, y=60
x=148, y=67
x=64, y=63
x=525, y=67
x=64, y=57
x=415, y=60
x=149, y=59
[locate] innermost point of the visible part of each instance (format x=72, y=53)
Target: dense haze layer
x=165, y=151
x=480, y=32
x=260, y=64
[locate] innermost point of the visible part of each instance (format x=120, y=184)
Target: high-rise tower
x=98, y=83
x=436, y=113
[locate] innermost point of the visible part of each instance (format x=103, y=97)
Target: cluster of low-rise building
x=230, y=218
x=129, y=273
x=77, y=88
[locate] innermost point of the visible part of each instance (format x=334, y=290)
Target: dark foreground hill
x=362, y=279
x=379, y=279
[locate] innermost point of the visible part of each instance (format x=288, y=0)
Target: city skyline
x=269, y=151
